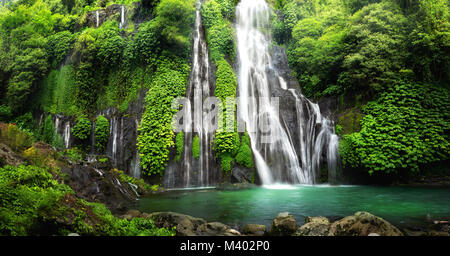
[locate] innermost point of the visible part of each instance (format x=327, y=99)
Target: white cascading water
x=135, y=163
x=97, y=18
x=277, y=160
x=66, y=135
x=122, y=16
x=196, y=172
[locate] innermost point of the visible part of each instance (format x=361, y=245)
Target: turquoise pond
x=402, y=206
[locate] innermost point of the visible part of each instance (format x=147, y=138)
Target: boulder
x=283, y=225
x=254, y=230
x=185, y=225
x=9, y=157
x=132, y=214
x=216, y=229
x=314, y=226
x=363, y=224
x=241, y=174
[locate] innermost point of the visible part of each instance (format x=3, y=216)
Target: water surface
x=402, y=206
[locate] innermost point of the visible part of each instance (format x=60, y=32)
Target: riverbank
x=359, y=224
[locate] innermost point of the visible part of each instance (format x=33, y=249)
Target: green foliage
x=27, y=195
x=155, y=133
x=430, y=41
x=138, y=182
x=174, y=20
x=74, y=154
x=33, y=203
x=48, y=131
x=376, y=42
x=146, y=44
x=196, y=147
x=113, y=226
x=101, y=133
x=25, y=122
x=179, y=143
x=226, y=162
x=5, y=113
x=14, y=137
x=110, y=45
x=244, y=156
x=219, y=32
x=58, y=92
x=404, y=129
x=82, y=128
x=58, y=46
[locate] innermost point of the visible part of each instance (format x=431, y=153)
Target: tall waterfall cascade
x=277, y=160
x=97, y=19
x=196, y=171
x=122, y=17
x=64, y=130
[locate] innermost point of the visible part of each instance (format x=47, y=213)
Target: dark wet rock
x=241, y=174
x=185, y=225
x=9, y=157
x=363, y=224
x=216, y=229
x=96, y=185
x=132, y=214
x=314, y=226
x=254, y=230
x=91, y=18
x=190, y=226
x=283, y=225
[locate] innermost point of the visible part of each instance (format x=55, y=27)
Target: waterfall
x=277, y=160
x=196, y=172
x=122, y=17
x=66, y=134
x=135, y=163
x=97, y=18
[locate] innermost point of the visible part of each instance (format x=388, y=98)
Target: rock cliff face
x=111, y=12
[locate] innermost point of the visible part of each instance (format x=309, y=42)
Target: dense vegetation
x=387, y=61
x=34, y=199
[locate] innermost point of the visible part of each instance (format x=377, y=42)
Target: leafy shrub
x=27, y=195
x=196, y=147
x=25, y=122
x=5, y=113
x=33, y=203
x=155, y=133
x=226, y=162
x=14, y=137
x=82, y=128
x=219, y=32
x=404, y=129
x=244, y=156
x=101, y=133
x=49, y=134
x=74, y=154
x=179, y=143
x=58, y=46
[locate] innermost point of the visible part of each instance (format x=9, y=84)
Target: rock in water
x=190, y=226
x=314, y=226
x=363, y=224
x=132, y=214
x=254, y=229
x=185, y=225
x=283, y=225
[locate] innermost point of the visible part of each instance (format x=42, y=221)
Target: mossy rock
x=350, y=121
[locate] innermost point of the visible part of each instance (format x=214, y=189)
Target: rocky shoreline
x=359, y=224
